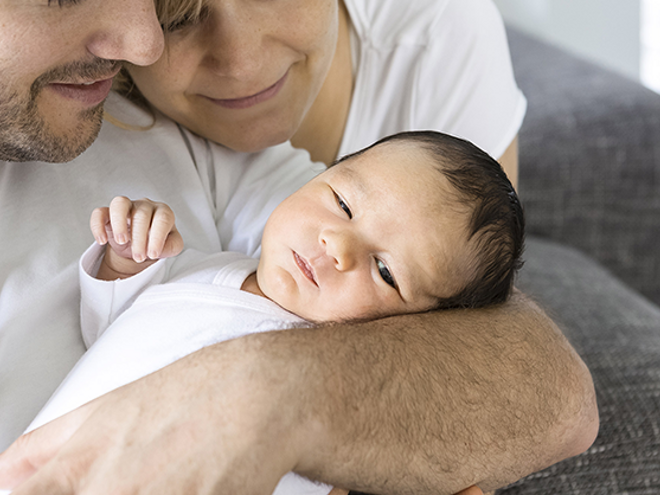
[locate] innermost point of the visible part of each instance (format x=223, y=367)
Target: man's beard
x=26, y=136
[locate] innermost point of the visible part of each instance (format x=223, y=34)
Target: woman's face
x=247, y=72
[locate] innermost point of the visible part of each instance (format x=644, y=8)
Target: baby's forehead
x=413, y=197
x=403, y=169
x=391, y=157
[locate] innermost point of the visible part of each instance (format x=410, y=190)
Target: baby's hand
x=137, y=231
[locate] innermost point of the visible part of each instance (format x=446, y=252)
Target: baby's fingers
x=142, y=217
x=173, y=244
x=164, y=239
x=97, y=222
x=120, y=210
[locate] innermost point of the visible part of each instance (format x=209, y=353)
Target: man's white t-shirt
x=44, y=219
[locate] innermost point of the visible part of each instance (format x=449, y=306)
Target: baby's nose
x=342, y=247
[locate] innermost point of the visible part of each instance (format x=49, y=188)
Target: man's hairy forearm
x=432, y=403
x=415, y=404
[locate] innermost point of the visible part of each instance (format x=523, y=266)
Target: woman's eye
x=343, y=206
x=177, y=25
x=189, y=19
x=385, y=273
x=63, y=3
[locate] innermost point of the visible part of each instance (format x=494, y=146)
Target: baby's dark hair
x=496, y=224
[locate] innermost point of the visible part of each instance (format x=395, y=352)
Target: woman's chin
x=248, y=141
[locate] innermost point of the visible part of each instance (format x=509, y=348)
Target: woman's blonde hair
x=171, y=13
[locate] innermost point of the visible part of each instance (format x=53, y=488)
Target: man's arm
x=432, y=403
x=418, y=404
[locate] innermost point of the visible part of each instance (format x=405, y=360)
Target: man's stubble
x=24, y=133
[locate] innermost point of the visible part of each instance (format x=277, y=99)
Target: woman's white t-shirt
x=431, y=64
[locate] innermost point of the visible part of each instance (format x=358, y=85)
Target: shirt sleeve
x=465, y=85
x=103, y=301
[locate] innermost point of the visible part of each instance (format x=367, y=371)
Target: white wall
x=604, y=31
x=650, y=36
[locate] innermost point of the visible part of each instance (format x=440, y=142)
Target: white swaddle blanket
x=168, y=311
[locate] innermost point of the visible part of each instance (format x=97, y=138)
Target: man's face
x=375, y=235
x=57, y=61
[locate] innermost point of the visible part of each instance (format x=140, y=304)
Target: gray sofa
x=590, y=183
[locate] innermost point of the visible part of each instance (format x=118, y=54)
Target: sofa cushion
x=590, y=160
x=617, y=334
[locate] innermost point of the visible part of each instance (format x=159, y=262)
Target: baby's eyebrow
x=357, y=181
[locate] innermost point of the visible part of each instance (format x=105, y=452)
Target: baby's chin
x=319, y=315
x=314, y=317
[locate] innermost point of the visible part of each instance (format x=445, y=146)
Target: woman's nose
x=234, y=46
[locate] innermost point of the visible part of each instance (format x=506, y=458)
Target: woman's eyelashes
x=385, y=273
x=187, y=20
x=63, y=3
x=342, y=204
x=178, y=25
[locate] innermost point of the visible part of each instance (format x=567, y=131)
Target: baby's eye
x=385, y=273
x=343, y=206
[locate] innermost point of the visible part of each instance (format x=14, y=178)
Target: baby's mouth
x=305, y=268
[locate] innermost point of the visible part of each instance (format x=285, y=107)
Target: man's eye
x=385, y=273
x=343, y=206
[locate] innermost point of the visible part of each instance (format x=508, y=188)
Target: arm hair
x=432, y=403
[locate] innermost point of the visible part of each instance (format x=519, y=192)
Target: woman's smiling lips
x=250, y=101
x=305, y=268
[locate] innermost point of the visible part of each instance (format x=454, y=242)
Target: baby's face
x=375, y=235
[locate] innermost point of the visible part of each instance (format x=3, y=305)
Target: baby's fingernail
x=121, y=238
x=153, y=255
x=139, y=258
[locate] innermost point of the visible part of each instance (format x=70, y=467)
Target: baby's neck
x=251, y=285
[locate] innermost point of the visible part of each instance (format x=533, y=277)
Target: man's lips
x=90, y=78
x=305, y=268
x=249, y=101
x=89, y=93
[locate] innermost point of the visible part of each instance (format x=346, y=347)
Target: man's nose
x=129, y=31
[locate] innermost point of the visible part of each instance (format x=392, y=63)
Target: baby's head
x=418, y=221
